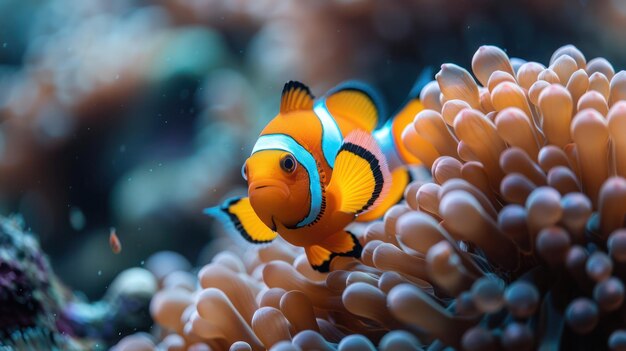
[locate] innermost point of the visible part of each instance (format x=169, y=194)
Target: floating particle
x=77, y=219
x=114, y=241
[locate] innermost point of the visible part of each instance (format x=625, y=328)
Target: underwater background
x=136, y=115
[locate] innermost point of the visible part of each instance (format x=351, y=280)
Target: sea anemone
x=517, y=242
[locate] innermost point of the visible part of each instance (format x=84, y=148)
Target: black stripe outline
x=322, y=175
x=296, y=85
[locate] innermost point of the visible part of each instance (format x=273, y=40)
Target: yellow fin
x=318, y=257
x=342, y=243
x=296, y=97
x=356, y=102
x=400, y=178
x=239, y=214
x=361, y=177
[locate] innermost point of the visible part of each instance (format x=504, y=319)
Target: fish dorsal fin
x=361, y=177
x=296, y=97
x=357, y=102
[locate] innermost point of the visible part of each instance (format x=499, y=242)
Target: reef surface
x=37, y=312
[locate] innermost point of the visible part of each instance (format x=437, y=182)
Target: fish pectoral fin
x=361, y=177
x=356, y=102
x=342, y=243
x=238, y=214
x=400, y=178
x=296, y=97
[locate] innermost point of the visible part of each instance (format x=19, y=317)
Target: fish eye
x=288, y=163
x=244, y=171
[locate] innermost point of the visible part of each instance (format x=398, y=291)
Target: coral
x=30, y=298
x=38, y=313
x=517, y=242
x=122, y=310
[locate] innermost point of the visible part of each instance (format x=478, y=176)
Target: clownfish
x=318, y=166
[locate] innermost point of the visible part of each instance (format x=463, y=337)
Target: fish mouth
x=269, y=184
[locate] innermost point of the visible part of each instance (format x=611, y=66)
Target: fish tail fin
x=238, y=215
x=390, y=135
x=342, y=243
x=400, y=178
x=361, y=177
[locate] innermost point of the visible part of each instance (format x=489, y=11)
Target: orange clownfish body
x=318, y=166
